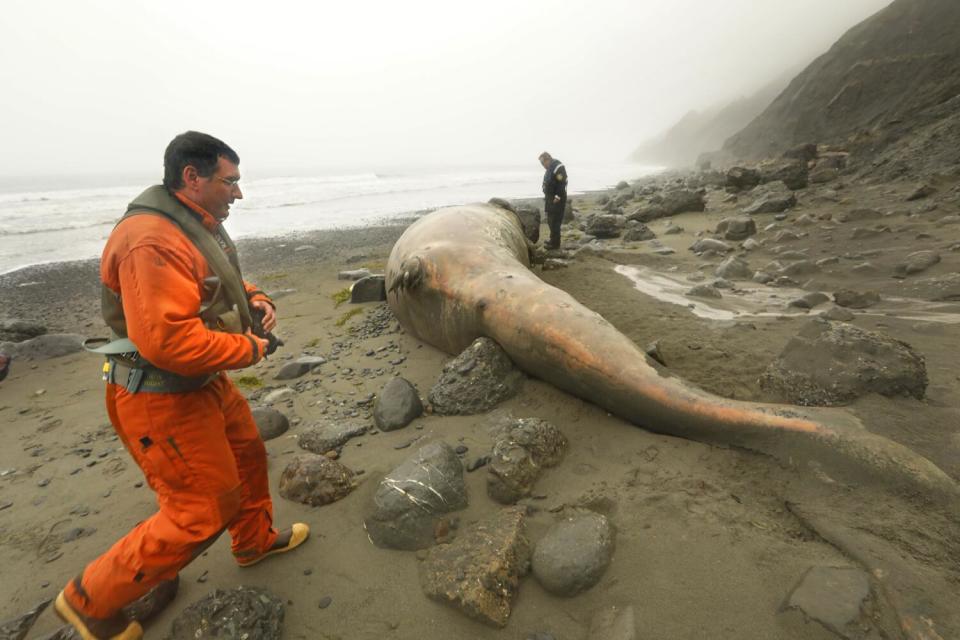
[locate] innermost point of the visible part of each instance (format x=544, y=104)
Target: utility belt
x=124, y=367
x=149, y=379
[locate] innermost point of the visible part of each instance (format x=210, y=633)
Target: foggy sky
x=101, y=87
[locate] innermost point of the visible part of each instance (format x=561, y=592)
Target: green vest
x=225, y=308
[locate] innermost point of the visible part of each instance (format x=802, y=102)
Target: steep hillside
x=888, y=91
x=706, y=130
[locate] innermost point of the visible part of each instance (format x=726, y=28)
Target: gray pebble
x=325, y=602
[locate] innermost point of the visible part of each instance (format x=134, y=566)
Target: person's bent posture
x=181, y=315
x=554, y=196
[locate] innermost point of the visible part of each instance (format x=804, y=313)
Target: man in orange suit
x=181, y=315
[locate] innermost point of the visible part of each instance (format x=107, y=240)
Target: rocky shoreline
x=629, y=534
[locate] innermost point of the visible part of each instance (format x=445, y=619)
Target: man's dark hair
x=200, y=150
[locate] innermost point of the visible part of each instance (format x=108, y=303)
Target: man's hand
x=556, y=199
x=263, y=343
x=269, y=315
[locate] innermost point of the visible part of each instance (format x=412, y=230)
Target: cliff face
x=888, y=91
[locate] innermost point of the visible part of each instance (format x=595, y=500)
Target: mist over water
x=39, y=226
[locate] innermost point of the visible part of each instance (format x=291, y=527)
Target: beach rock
x=809, y=301
x=648, y=213
x=475, y=381
x=637, y=232
x=614, y=623
x=243, y=613
x=15, y=330
x=802, y=152
x=856, y=299
x=315, y=481
x=672, y=230
x=49, y=345
x=832, y=363
x=653, y=350
x=838, y=314
x=735, y=268
x=353, y=274
x=704, y=291
x=865, y=233
x=937, y=288
x=833, y=596
x=822, y=175
x=299, y=367
x=329, y=437
x=751, y=244
x=922, y=191
x=278, y=395
x=742, y=178
x=786, y=236
x=772, y=197
x=19, y=626
x=369, y=289
x=276, y=294
x=397, y=404
x=604, y=225
x=792, y=173
x=522, y=449
x=479, y=572
x=762, y=277
x=683, y=201
x=411, y=503
x=916, y=262
x=710, y=244
x=833, y=160
x=800, y=268
x=737, y=228
x=530, y=220
x=574, y=554
x=270, y=422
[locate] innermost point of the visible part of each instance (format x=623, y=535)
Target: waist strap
x=149, y=379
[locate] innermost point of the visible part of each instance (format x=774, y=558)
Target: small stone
x=460, y=449
x=325, y=602
x=202, y=577
x=43, y=483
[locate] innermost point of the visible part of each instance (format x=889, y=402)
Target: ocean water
x=41, y=224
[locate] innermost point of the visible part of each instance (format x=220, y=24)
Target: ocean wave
x=54, y=229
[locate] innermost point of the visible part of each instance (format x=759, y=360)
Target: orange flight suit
x=200, y=451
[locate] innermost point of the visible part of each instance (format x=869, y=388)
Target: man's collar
x=207, y=218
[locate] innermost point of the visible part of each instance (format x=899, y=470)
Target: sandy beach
x=707, y=545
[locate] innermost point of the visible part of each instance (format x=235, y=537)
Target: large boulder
x=329, y=437
x=270, y=422
x=742, y=178
x=50, y=345
x=735, y=268
x=316, y=481
x=243, y=613
x=15, y=330
x=647, y=213
x=411, y=503
x=683, y=201
x=792, y=173
x=773, y=197
x=833, y=363
x=856, y=299
x=530, y=220
x=638, y=232
x=917, y=262
x=479, y=572
x=299, y=367
x=522, y=449
x=737, y=228
x=710, y=244
x=397, y=405
x=604, y=225
x=574, y=554
x=475, y=381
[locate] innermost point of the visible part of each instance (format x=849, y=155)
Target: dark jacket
x=555, y=181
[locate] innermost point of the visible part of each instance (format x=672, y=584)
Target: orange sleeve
x=254, y=294
x=161, y=299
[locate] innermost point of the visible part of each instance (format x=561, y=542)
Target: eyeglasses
x=230, y=182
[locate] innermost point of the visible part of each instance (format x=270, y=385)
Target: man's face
x=217, y=192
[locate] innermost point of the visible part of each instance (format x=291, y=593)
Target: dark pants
x=554, y=212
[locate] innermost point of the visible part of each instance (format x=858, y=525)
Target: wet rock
x=916, y=262
x=279, y=395
x=243, y=613
x=792, y=173
x=412, y=502
x=315, y=481
x=710, y=244
x=703, y=291
x=737, y=228
x=802, y=152
x=773, y=197
x=614, y=623
x=299, y=367
x=19, y=626
x=475, y=381
x=522, y=449
x=353, y=274
x=833, y=596
x=647, y=213
x=50, y=345
x=672, y=230
x=369, y=289
x=810, y=300
x=838, y=314
x=397, y=405
x=751, y=244
x=329, y=437
x=937, y=288
x=859, y=215
x=270, y=422
x=822, y=175
x=735, y=268
x=800, y=268
x=604, y=225
x=834, y=363
x=865, y=233
x=856, y=299
x=922, y=191
x=574, y=554
x=15, y=330
x=530, y=220
x=637, y=232
x=742, y=178
x=479, y=573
